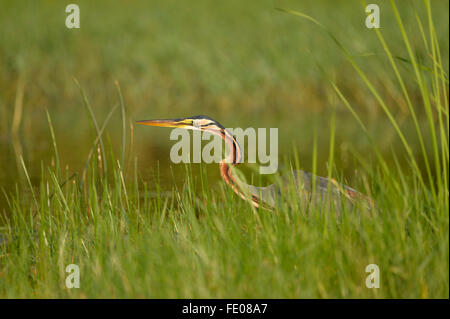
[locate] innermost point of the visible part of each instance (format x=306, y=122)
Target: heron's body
x=268, y=196
x=303, y=182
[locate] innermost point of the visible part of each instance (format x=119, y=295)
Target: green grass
x=142, y=235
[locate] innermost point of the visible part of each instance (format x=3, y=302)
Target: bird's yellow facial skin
x=197, y=123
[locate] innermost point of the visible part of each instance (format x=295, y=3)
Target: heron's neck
x=234, y=157
x=235, y=153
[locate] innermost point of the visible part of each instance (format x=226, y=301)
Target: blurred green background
x=243, y=63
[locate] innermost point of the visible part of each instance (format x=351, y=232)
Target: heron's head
x=198, y=122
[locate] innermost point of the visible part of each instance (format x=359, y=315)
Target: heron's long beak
x=181, y=123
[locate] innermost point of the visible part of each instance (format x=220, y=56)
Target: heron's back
x=303, y=182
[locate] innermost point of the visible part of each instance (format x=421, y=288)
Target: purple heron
x=265, y=197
